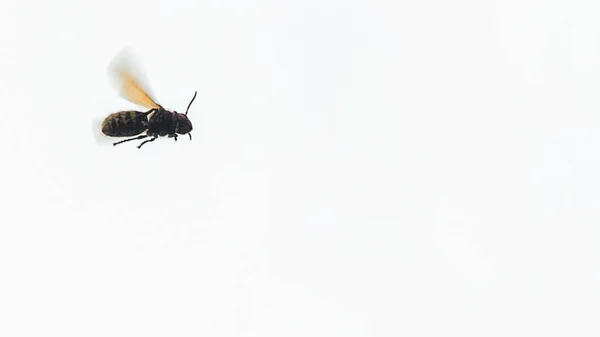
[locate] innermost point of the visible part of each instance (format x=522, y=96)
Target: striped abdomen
x=125, y=123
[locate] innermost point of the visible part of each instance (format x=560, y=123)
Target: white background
x=357, y=168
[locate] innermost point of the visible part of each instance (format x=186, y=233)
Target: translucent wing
x=129, y=80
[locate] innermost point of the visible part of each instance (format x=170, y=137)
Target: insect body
x=125, y=123
x=156, y=122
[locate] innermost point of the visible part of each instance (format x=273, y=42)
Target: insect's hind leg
x=134, y=138
x=147, y=141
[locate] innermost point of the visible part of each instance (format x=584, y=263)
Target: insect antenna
x=189, y=105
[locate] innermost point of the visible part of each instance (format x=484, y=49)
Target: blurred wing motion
x=129, y=81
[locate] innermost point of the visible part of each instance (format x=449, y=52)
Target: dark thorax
x=162, y=123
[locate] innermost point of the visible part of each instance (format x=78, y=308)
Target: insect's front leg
x=174, y=135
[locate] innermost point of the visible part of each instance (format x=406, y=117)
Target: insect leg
x=190, y=134
x=146, y=141
x=126, y=140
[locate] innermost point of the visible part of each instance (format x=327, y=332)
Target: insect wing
x=129, y=80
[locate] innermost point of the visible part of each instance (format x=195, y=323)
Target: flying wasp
x=154, y=123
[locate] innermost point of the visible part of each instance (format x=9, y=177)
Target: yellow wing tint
x=129, y=80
